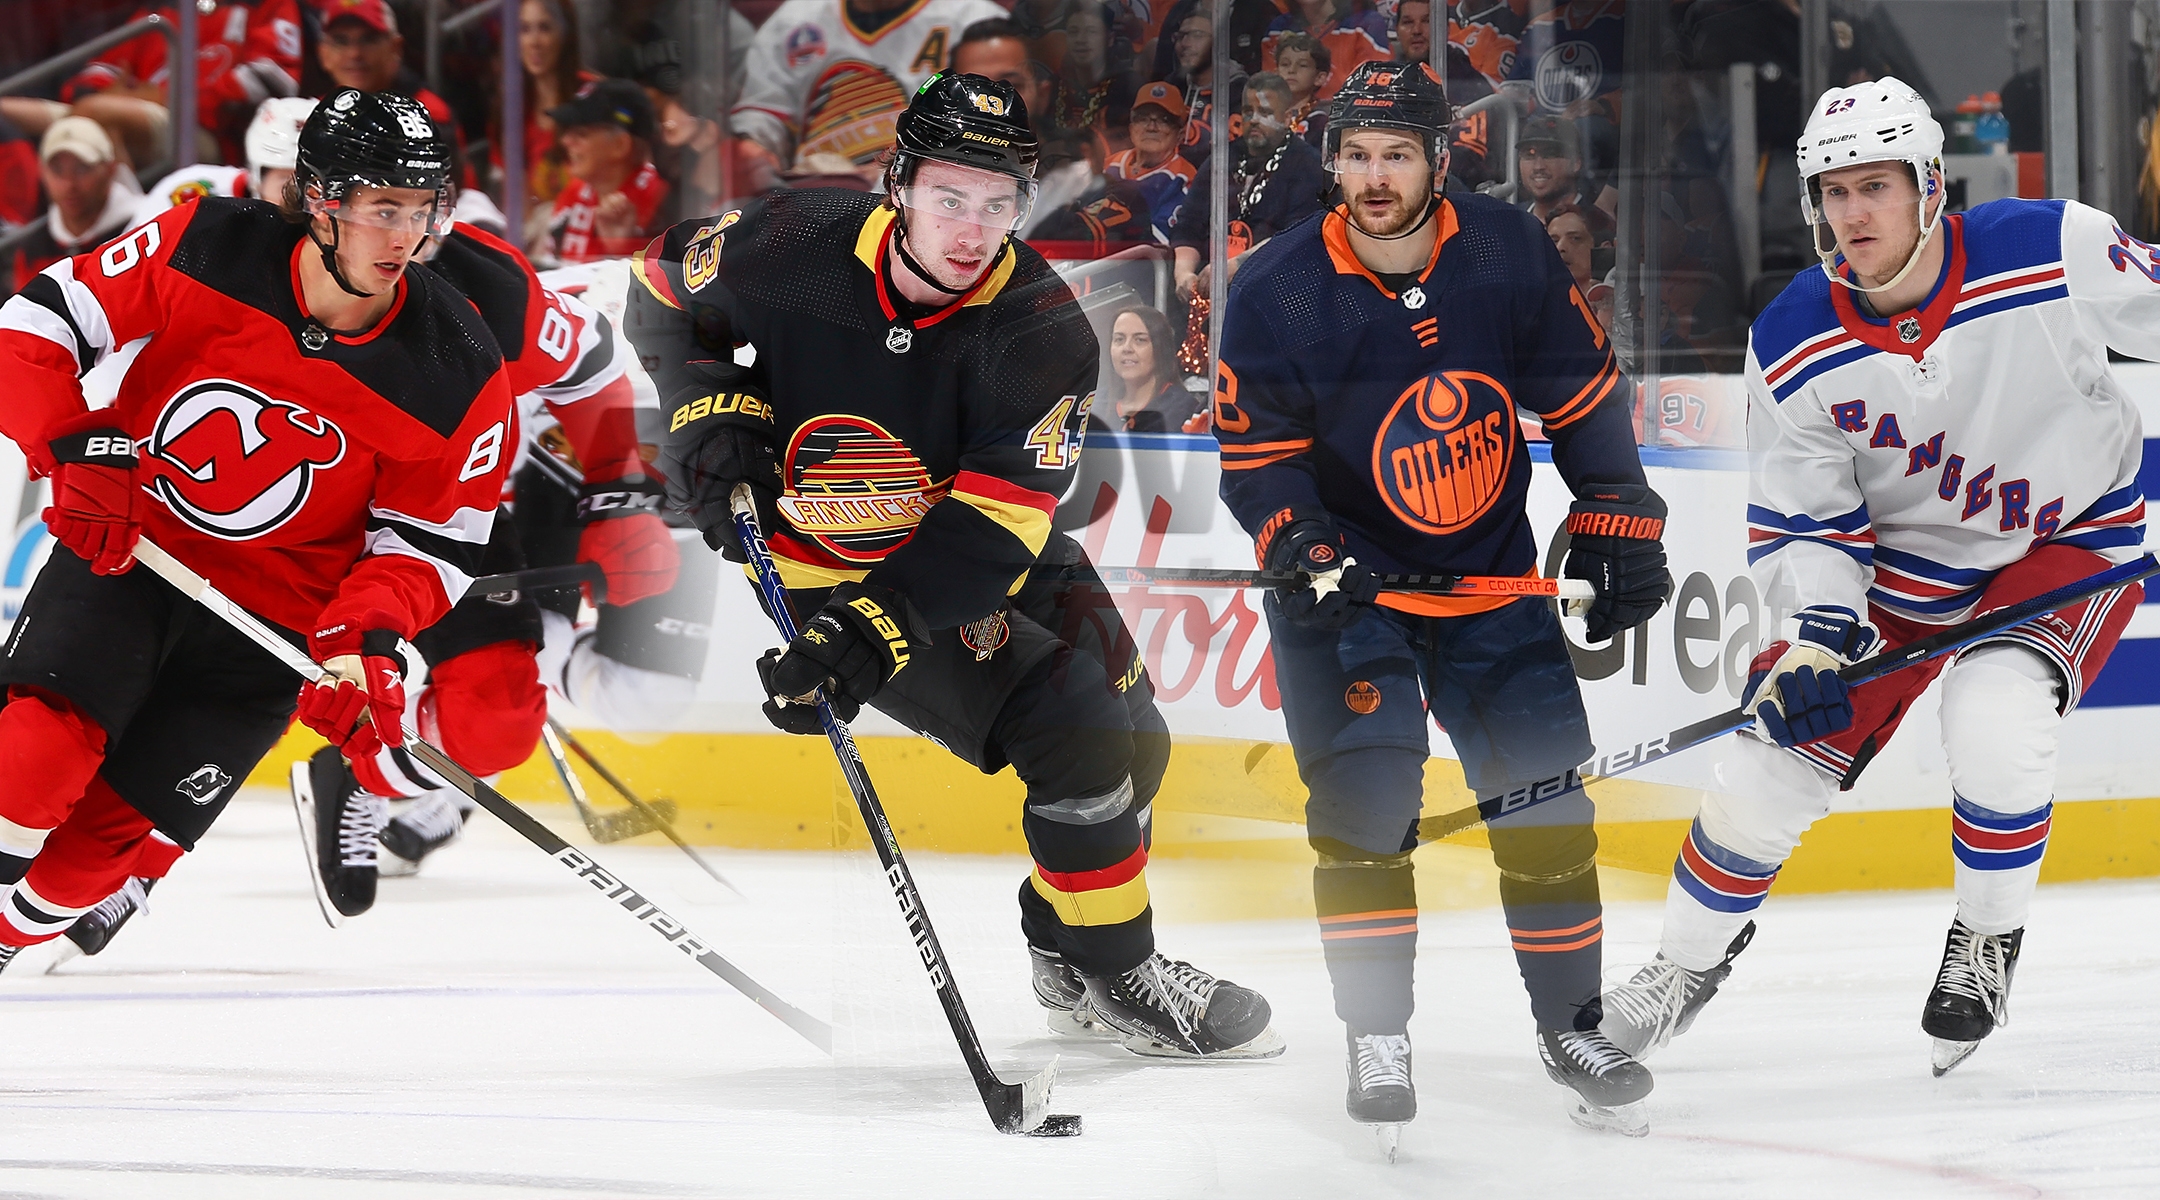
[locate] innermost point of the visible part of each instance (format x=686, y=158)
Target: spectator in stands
x=1081, y=205
x=1578, y=233
x=994, y=49
x=612, y=204
x=1306, y=65
x=1150, y=394
x=1249, y=21
x=92, y=195
x=361, y=48
x=1350, y=29
x=686, y=148
x=1277, y=183
x=1411, y=37
x=1487, y=34
x=826, y=78
x=248, y=53
x=1154, y=164
x=1195, y=41
x=19, y=196
x=1548, y=164
x=554, y=75
x=1090, y=85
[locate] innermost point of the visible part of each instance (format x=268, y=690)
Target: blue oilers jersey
x=1396, y=411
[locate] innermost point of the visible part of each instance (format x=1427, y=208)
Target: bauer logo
x=235, y=463
x=1444, y=452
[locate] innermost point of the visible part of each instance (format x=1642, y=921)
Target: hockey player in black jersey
x=1373, y=361
x=913, y=411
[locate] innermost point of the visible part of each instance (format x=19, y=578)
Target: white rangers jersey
x=818, y=83
x=1906, y=461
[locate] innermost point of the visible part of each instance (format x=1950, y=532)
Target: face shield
x=1848, y=195
x=999, y=207
x=398, y=210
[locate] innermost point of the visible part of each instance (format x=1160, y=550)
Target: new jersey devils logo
x=235, y=463
x=1443, y=454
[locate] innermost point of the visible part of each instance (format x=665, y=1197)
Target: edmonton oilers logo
x=1442, y=455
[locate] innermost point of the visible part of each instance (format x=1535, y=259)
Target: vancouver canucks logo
x=854, y=488
x=1443, y=453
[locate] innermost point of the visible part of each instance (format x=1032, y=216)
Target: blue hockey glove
x=1793, y=686
x=1336, y=587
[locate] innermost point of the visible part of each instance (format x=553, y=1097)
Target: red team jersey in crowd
x=577, y=241
x=245, y=54
x=287, y=464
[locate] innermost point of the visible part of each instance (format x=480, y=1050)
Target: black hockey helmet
x=969, y=121
x=1389, y=95
x=371, y=139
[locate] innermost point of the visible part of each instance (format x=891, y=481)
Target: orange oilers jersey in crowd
x=924, y=450
x=284, y=462
x=1390, y=403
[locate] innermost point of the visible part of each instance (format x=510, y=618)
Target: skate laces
x=1591, y=1050
x=433, y=817
x=131, y=896
x=1976, y=967
x=1656, y=997
x=362, y=817
x=1178, y=988
x=1383, y=1060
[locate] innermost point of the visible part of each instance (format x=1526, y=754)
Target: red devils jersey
x=245, y=54
x=286, y=463
x=556, y=350
x=924, y=451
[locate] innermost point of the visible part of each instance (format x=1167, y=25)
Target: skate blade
x=1947, y=1054
x=1627, y=1120
x=1081, y=1023
x=1267, y=1044
x=303, y=798
x=65, y=953
x=1388, y=1135
x=392, y=866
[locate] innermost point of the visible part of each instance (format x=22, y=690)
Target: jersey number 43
x=1056, y=438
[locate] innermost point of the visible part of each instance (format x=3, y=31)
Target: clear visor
x=1829, y=201
x=395, y=211
x=1001, y=210
x=1395, y=161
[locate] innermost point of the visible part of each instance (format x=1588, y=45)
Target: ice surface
x=490, y=1030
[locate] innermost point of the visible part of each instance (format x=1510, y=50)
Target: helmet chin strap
x=1927, y=231
x=921, y=272
x=1432, y=205
x=330, y=262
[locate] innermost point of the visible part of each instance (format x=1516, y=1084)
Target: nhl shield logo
x=899, y=339
x=203, y=784
x=1414, y=299
x=1908, y=330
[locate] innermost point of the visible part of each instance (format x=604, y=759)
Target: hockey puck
x=1057, y=1125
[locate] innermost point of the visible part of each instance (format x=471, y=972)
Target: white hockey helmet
x=1883, y=120
x=273, y=138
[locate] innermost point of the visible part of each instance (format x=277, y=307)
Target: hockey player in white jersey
x=1936, y=434
x=273, y=145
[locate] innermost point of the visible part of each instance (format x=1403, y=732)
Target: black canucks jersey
x=1396, y=411
x=924, y=452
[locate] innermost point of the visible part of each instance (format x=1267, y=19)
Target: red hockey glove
x=96, y=504
x=626, y=538
x=366, y=679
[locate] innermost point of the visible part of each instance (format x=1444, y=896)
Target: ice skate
x=1381, y=1093
x=338, y=824
x=1168, y=1009
x=1972, y=992
x=428, y=824
x=95, y=930
x=1060, y=989
x=1662, y=1000
x=1609, y=1085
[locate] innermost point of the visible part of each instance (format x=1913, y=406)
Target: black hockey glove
x=1337, y=589
x=852, y=647
x=791, y=716
x=1616, y=542
x=719, y=436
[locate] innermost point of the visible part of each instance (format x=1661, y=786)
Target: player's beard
x=1398, y=217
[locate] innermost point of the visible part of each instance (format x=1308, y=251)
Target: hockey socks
x=1368, y=935
x=1549, y=893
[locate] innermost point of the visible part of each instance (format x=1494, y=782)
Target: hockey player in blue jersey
x=1936, y=433
x=1373, y=360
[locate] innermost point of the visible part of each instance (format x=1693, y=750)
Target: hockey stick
x=606, y=829
x=1874, y=667
x=644, y=911
x=533, y=579
x=557, y=737
x=1418, y=585
x=1014, y=1107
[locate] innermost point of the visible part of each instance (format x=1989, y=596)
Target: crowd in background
x=1122, y=94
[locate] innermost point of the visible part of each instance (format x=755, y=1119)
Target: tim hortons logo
x=235, y=463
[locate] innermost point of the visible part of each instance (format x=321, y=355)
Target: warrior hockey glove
x=851, y=648
x=625, y=536
x=1793, y=686
x=788, y=716
x=1615, y=541
x=719, y=436
x=96, y=508
x=1337, y=588
x=366, y=678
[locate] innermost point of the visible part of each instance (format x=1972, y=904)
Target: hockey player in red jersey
x=314, y=428
x=913, y=413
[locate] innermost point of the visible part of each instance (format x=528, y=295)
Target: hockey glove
x=1615, y=541
x=625, y=536
x=359, y=707
x=719, y=436
x=1337, y=588
x=790, y=716
x=852, y=647
x=1793, y=686
x=96, y=508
